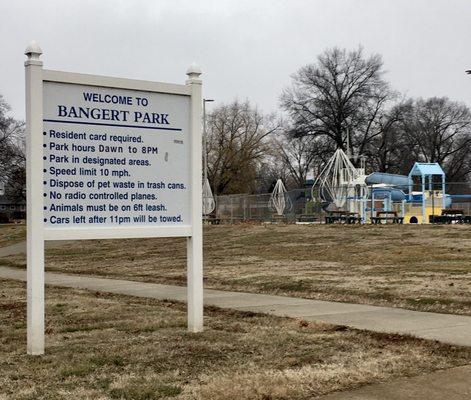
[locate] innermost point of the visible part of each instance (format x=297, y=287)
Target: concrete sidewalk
x=447, y=328
x=20, y=248
x=17, y=248
x=450, y=384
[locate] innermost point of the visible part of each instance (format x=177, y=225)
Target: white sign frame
x=37, y=233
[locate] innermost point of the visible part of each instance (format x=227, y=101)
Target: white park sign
x=110, y=158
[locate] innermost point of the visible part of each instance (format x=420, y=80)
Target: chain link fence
x=301, y=207
x=460, y=193
x=256, y=207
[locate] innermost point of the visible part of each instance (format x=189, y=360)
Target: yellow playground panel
x=414, y=212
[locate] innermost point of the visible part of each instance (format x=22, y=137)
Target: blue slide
x=401, y=183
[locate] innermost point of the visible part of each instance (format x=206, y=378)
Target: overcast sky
x=246, y=48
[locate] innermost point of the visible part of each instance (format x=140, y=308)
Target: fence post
x=373, y=211
x=424, y=202
x=232, y=211
x=244, y=206
x=250, y=209
x=443, y=193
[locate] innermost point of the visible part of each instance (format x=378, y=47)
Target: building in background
x=11, y=210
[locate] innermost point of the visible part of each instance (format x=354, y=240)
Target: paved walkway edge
x=447, y=328
x=450, y=384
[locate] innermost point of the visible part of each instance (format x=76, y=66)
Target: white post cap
x=33, y=51
x=193, y=72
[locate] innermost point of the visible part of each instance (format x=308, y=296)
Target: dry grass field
x=102, y=346
x=10, y=234
x=424, y=268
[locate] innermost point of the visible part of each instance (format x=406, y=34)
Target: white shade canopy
x=335, y=179
x=208, y=199
x=279, y=202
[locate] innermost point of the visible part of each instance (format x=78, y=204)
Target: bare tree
x=237, y=143
x=12, y=153
x=296, y=156
x=387, y=151
x=342, y=92
x=270, y=170
x=439, y=130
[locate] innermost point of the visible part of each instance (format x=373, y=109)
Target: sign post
x=195, y=241
x=34, y=201
x=111, y=158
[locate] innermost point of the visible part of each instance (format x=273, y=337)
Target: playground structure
x=279, y=202
x=208, y=199
x=346, y=191
x=235, y=208
x=340, y=181
x=428, y=201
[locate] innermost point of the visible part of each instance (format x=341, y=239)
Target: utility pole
x=208, y=199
